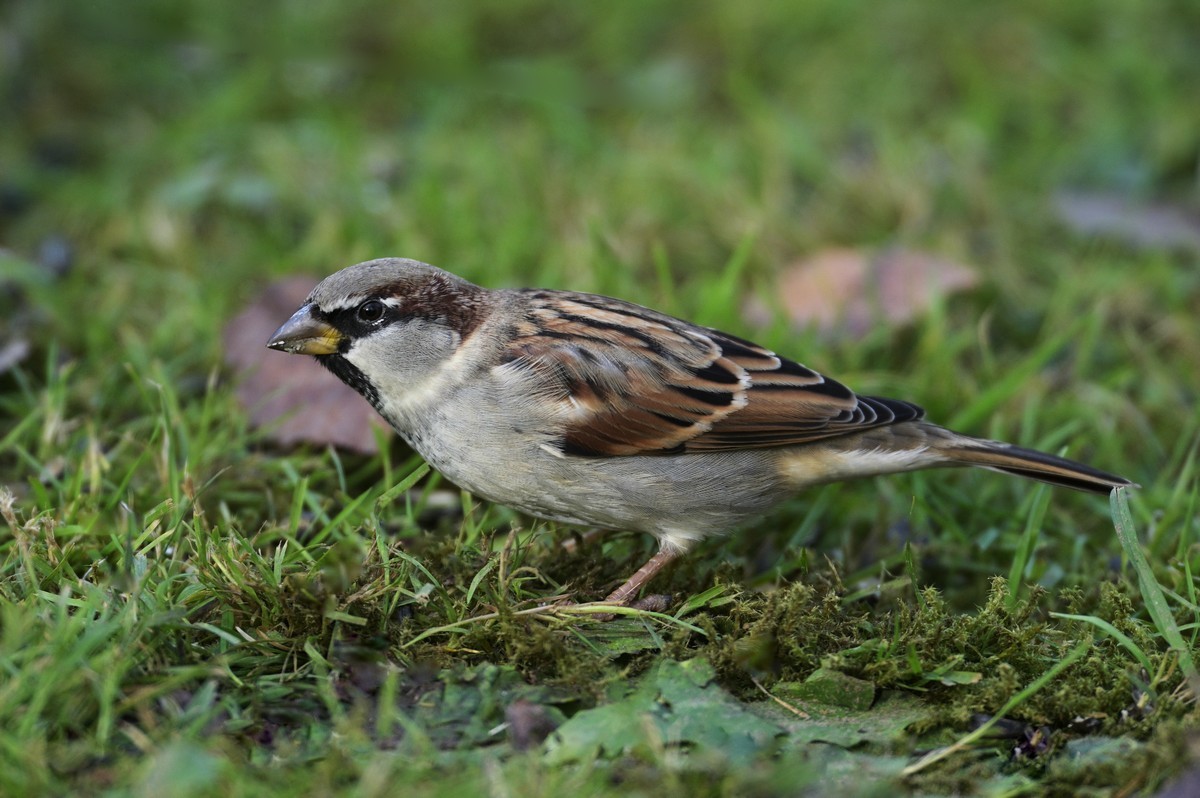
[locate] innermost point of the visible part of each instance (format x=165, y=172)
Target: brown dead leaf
x=528, y=724
x=293, y=397
x=849, y=291
x=1143, y=225
x=12, y=352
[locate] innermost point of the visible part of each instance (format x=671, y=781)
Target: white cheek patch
x=411, y=389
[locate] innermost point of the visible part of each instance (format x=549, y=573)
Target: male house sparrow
x=595, y=411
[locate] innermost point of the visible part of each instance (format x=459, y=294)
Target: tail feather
x=1032, y=465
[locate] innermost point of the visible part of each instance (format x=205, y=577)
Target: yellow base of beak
x=303, y=334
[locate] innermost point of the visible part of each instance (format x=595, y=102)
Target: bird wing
x=629, y=380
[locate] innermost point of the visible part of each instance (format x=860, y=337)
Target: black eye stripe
x=349, y=321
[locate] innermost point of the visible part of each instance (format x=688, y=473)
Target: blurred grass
x=174, y=591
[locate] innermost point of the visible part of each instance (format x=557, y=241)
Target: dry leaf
x=852, y=290
x=296, y=399
x=12, y=352
x=1147, y=226
x=528, y=724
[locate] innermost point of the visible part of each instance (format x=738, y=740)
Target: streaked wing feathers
x=629, y=380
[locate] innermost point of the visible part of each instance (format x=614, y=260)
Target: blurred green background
x=162, y=161
x=557, y=141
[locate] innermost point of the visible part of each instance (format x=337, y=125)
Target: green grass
x=186, y=609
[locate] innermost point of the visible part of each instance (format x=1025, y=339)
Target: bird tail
x=1029, y=463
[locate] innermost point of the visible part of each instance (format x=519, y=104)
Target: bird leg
x=633, y=584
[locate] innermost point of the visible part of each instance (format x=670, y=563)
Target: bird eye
x=371, y=311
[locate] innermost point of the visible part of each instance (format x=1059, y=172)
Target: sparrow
x=595, y=411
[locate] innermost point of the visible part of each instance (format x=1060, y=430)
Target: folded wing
x=628, y=380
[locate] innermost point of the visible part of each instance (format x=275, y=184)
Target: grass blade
x=1152, y=594
x=1114, y=633
x=1016, y=574
x=1014, y=702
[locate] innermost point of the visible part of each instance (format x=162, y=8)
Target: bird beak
x=304, y=335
